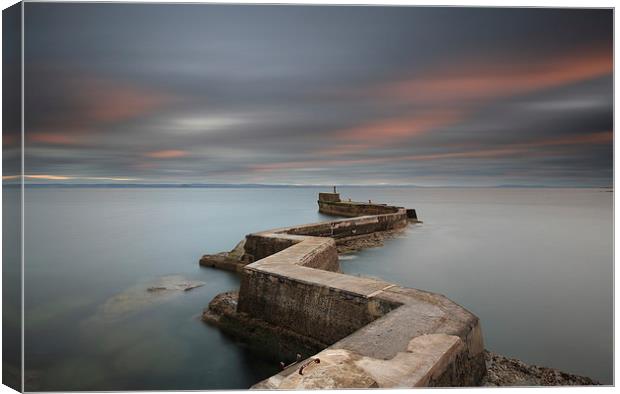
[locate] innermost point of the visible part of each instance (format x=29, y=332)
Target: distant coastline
x=276, y=186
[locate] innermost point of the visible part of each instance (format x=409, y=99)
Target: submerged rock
x=174, y=283
x=141, y=296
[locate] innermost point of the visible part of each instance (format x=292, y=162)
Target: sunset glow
x=313, y=95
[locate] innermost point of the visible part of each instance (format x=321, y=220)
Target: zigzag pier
x=337, y=330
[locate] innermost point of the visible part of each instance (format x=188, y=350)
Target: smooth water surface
x=534, y=264
x=84, y=246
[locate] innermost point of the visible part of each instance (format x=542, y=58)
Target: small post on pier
x=334, y=189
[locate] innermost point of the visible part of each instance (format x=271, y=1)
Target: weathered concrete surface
x=330, y=197
x=373, y=240
x=322, y=305
x=403, y=335
x=379, y=334
x=427, y=360
x=271, y=341
x=331, y=204
x=349, y=235
x=234, y=262
x=353, y=209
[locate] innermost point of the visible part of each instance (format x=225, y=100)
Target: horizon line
x=293, y=185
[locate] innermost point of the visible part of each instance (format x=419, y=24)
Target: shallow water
x=534, y=264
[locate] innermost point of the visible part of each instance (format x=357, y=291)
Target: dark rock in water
x=185, y=286
x=505, y=371
x=193, y=285
x=221, y=261
x=233, y=261
x=174, y=283
x=222, y=304
x=142, y=296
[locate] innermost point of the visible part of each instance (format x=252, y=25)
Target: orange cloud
x=387, y=131
x=49, y=177
x=491, y=78
x=167, y=154
x=105, y=178
x=52, y=138
x=9, y=139
x=267, y=167
x=602, y=137
x=91, y=103
x=393, y=129
x=144, y=166
x=345, y=149
x=523, y=148
x=111, y=101
x=458, y=87
x=527, y=148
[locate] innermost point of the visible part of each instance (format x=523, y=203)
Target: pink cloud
x=105, y=100
x=527, y=148
x=495, y=78
x=92, y=103
x=52, y=138
x=167, y=154
x=398, y=128
x=383, y=132
x=10, y=139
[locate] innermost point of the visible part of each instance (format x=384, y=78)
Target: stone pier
x=352, y=332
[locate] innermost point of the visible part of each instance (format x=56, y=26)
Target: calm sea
x=534, y=264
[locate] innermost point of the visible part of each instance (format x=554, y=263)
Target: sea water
x=534, y=264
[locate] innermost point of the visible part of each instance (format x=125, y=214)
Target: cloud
x=526, y=148
x=10, y=139
x=106, y=100
x=52, y=138
x=376, y=133
x=64, y=108
x=464, y=80
x=167, y=154
x=49, y=177
x=318, y=94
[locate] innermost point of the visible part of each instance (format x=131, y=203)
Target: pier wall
x=263, y=244
x=322, y=312
x=378, y=334
x=352, y=209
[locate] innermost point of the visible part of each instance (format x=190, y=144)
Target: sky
x=317, y=95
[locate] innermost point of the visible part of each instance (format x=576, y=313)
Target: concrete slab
x=382, y=335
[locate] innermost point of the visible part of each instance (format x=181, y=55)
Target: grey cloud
x=249, y=86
